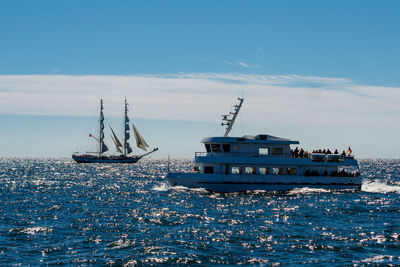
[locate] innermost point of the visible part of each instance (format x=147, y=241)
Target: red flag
x=349, y=151
x=90, y=135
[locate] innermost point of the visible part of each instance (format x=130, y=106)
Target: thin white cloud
x=242, y=64
x=203, y=96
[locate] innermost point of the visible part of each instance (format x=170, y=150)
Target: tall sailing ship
x=124, y=149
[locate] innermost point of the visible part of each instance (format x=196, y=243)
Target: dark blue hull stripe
x=105, y=160
x=277, y=183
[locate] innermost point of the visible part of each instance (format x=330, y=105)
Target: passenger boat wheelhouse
x=264, y=162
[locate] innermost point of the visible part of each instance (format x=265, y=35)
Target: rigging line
x=91, y=124
x=241, y=122
x=213, y=131
x=242, y=125
x=240, y=117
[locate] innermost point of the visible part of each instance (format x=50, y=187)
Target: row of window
x=216, y=148
x=253, y=170
x=275, y=151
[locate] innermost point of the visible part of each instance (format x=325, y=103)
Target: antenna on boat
x=228, y=120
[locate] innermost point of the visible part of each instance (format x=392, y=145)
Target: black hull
x=104, y=159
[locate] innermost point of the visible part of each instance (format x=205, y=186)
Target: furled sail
x=128, y=148
x=104, y=148
x=139, y=139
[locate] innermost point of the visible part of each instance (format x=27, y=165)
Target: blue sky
x=328, y=69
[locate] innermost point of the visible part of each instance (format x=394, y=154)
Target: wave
x=380, y=259
x=165, y=187
x=379, y=186
x=184, y=188
x=307, y=190
x=32, y=230
x=121, y=243
x=162, y=187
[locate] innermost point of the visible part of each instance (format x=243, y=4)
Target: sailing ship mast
x=102, y=146
x=127, y=148
x=141, y=143
x=230, y=121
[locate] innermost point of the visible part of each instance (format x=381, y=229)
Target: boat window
x=236, y=170
x=263, y=170
x=226, y=147
x=216, y=147
x=291, y=171
x=277, y=171
x=250, y=170
x=277, y=151
x=208, y=147
x=263, y=151
x=208, y=169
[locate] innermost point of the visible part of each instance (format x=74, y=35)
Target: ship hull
x=233, y=183
x=104, y=159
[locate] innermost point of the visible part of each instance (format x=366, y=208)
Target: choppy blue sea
x=53, y=211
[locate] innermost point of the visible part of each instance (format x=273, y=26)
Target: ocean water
x=53, y=211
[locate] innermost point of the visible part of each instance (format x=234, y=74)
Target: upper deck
x=248, y=145
x=250, y=139
x=262, y=149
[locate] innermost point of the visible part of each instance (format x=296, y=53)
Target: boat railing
x=242, y=154
x=315, y=157
x=322, y=157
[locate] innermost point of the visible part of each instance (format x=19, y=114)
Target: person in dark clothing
x=301, y=153
x=296, y=152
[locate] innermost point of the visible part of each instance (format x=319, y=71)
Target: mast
x=126, y=122
x=230, y=121
x=101, y=134
x=127, y=148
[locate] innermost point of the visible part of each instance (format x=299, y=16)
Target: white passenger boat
x=264, y=162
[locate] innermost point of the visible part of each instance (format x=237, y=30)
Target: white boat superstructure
x=265, y=162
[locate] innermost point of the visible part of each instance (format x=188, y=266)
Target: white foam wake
x=162, y=187
x=307, y=190
x=379, y=186
x=165, y=187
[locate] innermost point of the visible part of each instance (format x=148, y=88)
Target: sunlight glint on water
x=57, y=212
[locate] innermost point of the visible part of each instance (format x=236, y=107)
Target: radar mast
x=229, y=119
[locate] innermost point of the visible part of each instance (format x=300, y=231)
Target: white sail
x=116, y=141
x=140, y=142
